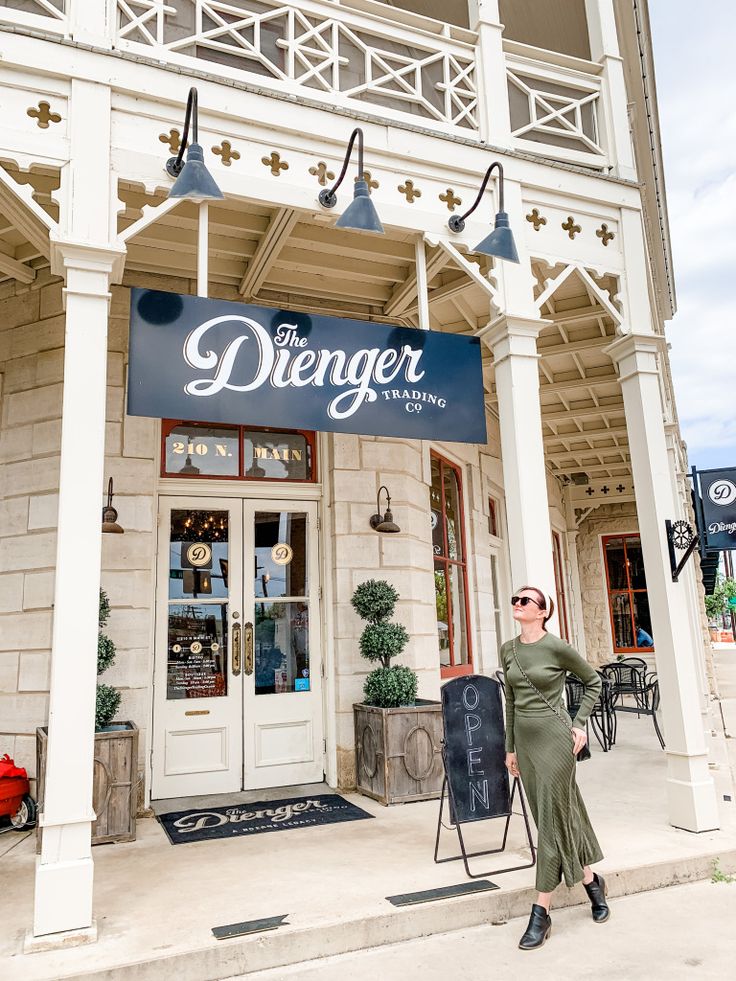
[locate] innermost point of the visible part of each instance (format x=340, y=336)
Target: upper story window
x=197, y=449
x=450, y=568
x=628, y=601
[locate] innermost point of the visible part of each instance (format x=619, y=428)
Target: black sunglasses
x=524, y=601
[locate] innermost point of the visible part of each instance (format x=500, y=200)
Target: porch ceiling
x=285, y=257
x=584, y=426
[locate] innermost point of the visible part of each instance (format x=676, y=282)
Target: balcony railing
x=356, y=54
x=322, y=48
x=555, y=105
x=42, y=15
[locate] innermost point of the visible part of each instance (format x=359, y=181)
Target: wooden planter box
x=399, y=751
x=114, y=795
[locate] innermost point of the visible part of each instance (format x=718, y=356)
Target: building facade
x=583, y=461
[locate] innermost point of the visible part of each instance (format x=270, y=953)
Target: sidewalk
x=652, y=936
x=156, y=904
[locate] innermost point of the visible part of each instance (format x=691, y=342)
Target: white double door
x=238, y=665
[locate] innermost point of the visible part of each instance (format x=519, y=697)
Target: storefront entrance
x=238, y=662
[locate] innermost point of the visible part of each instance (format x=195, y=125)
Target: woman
x=541, y=743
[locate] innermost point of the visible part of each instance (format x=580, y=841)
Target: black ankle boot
x=540, y=927
x=596, y=891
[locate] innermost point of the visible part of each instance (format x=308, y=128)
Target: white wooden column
x=493, y=96
x=604, y=49
x=83, y=254
x=513, y=341
x=691, y=796
x=63, y=900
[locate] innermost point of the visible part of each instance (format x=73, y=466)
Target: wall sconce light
x=193, y=181
x=500, y=243
x=110, y=524
x=360, y=214
x=386, y=523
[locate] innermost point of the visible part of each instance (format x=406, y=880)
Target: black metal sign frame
x=476, y=782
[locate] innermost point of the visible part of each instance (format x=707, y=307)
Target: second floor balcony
x=370, y=58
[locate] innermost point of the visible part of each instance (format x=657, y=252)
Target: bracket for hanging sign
x=680, y=537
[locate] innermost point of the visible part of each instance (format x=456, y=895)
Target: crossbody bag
x=582, y=755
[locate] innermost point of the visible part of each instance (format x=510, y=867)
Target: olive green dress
x=566, y=840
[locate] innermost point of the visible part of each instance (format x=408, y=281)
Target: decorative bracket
x=680, y=536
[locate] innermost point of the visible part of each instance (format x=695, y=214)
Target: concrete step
x=293, y=944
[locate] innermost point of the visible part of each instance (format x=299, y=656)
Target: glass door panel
x=283, y=700
x=198, y=694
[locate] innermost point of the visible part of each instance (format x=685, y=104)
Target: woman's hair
x=546, y=602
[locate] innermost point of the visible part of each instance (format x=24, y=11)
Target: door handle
x=236, y=648
x=248, y=648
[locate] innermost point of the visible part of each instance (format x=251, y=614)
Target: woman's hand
x=579, y=739
x=512, y=764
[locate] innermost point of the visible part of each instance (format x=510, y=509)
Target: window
x=559, y=564
x=196, y=449
x=450, y=571
x=492, y=517
x=631, y=625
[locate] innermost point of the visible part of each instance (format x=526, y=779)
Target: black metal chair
x=599, y=719
x=629, y=679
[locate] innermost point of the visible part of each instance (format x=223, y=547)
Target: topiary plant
x=386, y=686
x=107, y=701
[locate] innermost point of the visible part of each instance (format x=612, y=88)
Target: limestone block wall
x=605, y=520
x=31, y=378
x=357, y=467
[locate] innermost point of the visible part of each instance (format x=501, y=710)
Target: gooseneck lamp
x=500, y=243
x=360, y=214
x=193, y=181
x=386, y=523
x=110, y=524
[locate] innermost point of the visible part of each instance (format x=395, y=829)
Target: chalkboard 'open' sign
x=475, y=757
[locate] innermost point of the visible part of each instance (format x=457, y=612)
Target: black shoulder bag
x=582, y=755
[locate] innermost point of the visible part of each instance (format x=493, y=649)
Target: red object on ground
x=14, y=787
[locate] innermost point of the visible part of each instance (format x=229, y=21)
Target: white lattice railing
x=344, y=54
x=44, y=15
x=555, y=110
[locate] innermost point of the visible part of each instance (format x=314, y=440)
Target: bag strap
x=534, y=687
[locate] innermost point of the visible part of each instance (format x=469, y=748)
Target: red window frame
x=167, y=425
x=453, y=670
x=557, y=555
x=624, y=537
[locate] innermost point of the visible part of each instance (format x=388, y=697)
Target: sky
x=694, y=66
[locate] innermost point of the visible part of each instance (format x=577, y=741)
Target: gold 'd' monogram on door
x=199, y=554
x=282, y=553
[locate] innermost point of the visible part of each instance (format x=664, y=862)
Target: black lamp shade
x=388, y=525
x=500, y=243
x=361, y=214
x=195, y=183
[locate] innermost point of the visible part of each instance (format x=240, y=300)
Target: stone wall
x=608, y=519
x=31, y=370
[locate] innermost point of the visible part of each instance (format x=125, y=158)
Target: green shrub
x=107, y=700
x=374, y=600
x=386, y=687
x=106, y=705
x=382, y=641
x=391, y=687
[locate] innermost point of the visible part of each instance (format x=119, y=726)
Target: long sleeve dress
x=566, y=840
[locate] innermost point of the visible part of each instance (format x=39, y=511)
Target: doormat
x=265, y=815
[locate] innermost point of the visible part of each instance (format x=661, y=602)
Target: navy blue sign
x=215, y=361
x=718, y=488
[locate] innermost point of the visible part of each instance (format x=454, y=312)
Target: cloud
x=698, y=125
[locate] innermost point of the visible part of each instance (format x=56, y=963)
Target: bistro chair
x=603, y=716
x=629, y=678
